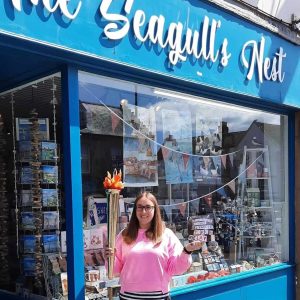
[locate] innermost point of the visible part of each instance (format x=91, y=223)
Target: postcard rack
x=4, y=211
x=37, y=195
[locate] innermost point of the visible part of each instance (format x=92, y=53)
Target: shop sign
x=51, y=6
x=181, y=42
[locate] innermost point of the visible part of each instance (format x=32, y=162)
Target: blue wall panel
x=84, y=35
x=273, y=289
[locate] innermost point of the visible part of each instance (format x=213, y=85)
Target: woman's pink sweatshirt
x=144, y=267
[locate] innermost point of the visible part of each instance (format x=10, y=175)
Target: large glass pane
x=219, y=172
x=32, y=260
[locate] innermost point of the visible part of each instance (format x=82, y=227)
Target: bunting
x=114, y=122
x=186, y=159
x=231, y=185
x=223, y=159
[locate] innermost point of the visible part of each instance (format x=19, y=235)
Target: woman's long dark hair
x=155, y=231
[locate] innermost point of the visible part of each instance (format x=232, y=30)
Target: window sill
x=229, y=279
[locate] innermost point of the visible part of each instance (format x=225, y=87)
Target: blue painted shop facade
x=186, y=46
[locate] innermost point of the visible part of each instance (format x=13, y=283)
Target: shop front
x=193, y=104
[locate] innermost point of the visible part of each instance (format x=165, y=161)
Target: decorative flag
x=223, y=159
x=165, y=152
x=186, y=159
x=231, y=185
x=114, y=122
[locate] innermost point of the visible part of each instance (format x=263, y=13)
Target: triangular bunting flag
x=223, y=159
x=114, y=122
x=231, y=159
x=186, y=159
x=165, y=152
x=231, y=185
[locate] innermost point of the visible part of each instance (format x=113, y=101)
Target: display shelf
x=254, y=218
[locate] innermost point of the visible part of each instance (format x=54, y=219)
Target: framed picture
x=97, y=211
x=23, y=129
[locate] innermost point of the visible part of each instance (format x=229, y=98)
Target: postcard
x=28, y=220
x=25, y=198
x=29, y=242
x=51, y=220
x=24, y=151
x=23, y=130
x=29, y=266
x=96, y=238
x=50, y=174
x=50, y=243
x=50, y=197
x=26, y=176
x=86, y=239
x=48, y=151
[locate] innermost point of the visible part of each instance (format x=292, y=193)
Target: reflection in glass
x=213, y=167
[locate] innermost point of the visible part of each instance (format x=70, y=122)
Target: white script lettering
x=267, y=69
x=181, y=44
x=62, y=4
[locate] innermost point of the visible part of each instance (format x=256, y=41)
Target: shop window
x=33, y=259
x=219, y=172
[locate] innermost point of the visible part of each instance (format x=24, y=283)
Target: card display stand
x=257, y=220
x=4, y=211
x=38, y=206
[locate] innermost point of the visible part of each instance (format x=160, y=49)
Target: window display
x=31, y=194
x=213, y=168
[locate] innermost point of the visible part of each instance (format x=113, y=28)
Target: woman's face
x=144, y=212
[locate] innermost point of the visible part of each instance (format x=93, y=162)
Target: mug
x=92, y=275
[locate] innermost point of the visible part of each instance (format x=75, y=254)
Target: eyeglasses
x=147, y=208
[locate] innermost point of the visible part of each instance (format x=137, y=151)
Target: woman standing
x=148, y=254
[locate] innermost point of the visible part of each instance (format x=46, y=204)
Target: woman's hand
x=109, y=252
x=193, y=246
